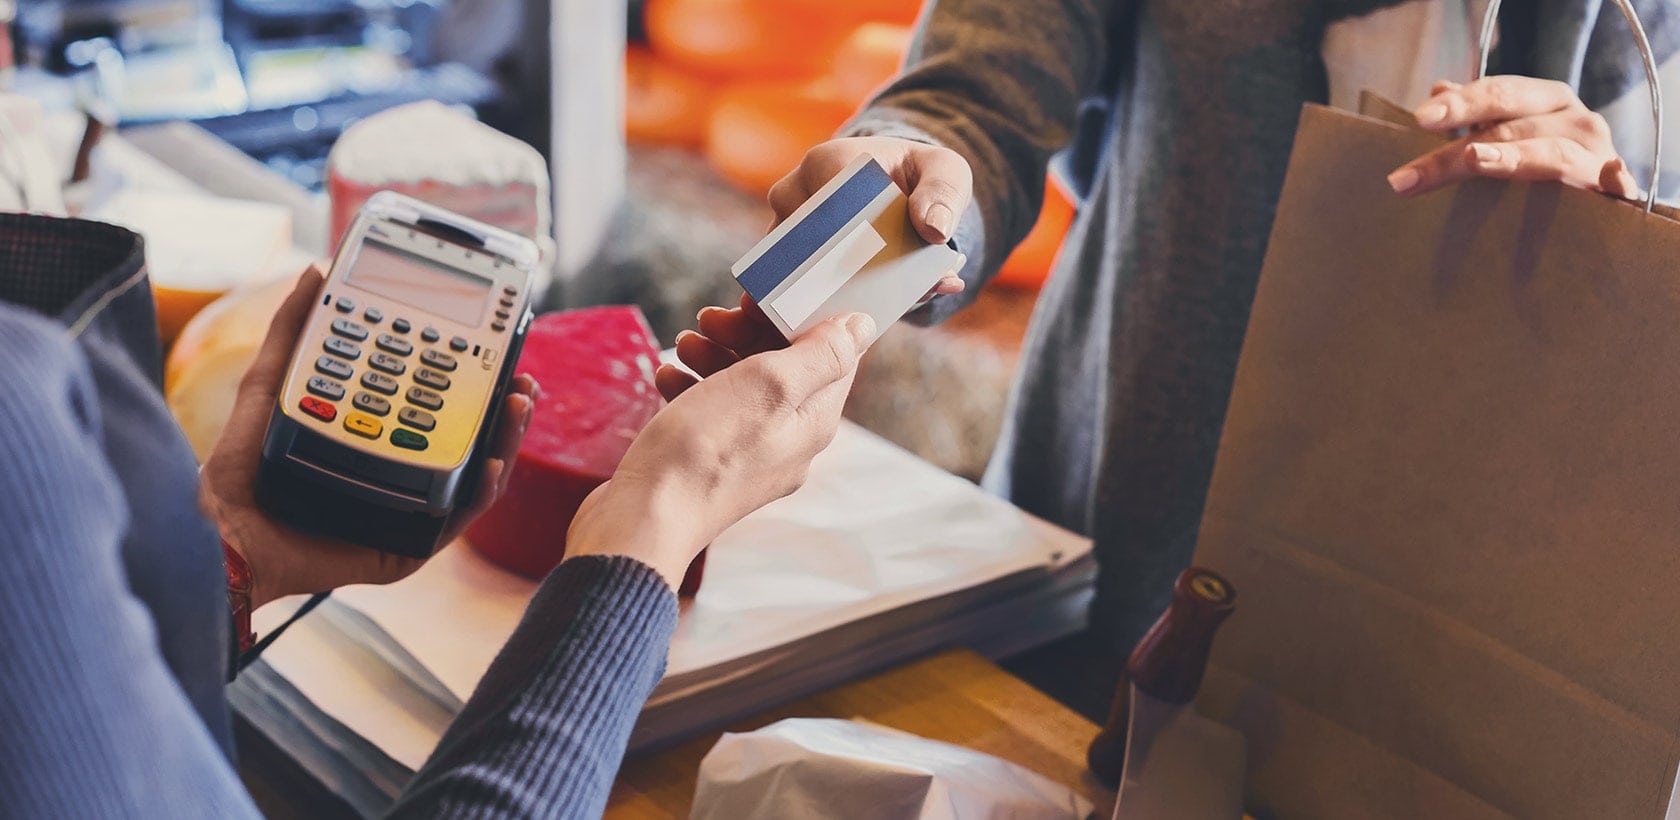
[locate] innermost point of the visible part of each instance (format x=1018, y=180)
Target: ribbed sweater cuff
x=545, y=731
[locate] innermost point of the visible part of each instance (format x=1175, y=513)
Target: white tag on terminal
x=849, y=249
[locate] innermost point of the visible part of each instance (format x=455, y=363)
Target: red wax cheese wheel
x=596, y=369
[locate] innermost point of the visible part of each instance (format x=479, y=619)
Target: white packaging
x=813, y=768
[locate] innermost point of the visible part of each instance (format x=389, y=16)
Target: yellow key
x=363, y=424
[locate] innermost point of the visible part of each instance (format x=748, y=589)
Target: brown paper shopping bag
x=1449, y=490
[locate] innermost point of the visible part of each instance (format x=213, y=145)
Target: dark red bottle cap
x=1170, y=660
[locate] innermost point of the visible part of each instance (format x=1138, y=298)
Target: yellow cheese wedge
x=212, y=354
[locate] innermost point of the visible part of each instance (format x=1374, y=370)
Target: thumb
x=940, y=187
x=825, y=354
x=269, y=367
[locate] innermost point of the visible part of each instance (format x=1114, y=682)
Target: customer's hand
x=724, y=447
x=284, y=561
x=937, y=180
x=1520, y=128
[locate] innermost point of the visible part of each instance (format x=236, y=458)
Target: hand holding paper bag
x=1521, y=128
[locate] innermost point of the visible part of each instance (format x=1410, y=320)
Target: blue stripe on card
x=768, y=272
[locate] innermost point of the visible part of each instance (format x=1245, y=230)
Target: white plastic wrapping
x=814, y=769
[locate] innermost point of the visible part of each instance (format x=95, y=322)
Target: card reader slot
x=346, y=463
x=448, y=233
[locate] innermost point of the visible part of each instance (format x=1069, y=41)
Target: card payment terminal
x=393, y=392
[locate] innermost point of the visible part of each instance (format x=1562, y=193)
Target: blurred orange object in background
x=770, y=39
x=869, y=57
x=900, y=12
x=1032, y=260
x=758, y=82
x=663, y=104
x=176, y=306
x=760, y=131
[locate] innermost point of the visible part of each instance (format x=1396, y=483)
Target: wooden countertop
x=957, y=697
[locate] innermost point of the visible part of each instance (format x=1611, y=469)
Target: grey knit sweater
x=1177, y=117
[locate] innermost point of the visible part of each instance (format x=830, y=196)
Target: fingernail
x=940, y=219
x=1431, y=114
x=1485, y=153
x=862, y=328
x=1404, y=180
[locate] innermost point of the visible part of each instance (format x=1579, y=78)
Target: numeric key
x=438, y=360
x=371, y=403
x=392, y=344
x=431, y=378
x=425, y=398
x=380, y=383
x=388, y=363
x=333, y=367
x=349, y=330
x=342, y=348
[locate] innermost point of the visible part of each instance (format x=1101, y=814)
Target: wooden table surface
x=957, y=697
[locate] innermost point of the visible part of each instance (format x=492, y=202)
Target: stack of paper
x=880, y=558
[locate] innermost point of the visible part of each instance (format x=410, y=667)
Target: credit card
x=849, y=249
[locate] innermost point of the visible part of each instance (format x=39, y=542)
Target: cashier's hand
x=284, y=561
x=726, y=445
x=938, y=181
x=1519, y=128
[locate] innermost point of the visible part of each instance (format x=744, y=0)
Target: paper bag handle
x=1645, y=55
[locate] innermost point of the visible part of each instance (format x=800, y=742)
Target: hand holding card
x=849, y=248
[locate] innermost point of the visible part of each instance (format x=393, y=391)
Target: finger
x=491, y=482
x=786, y=196
x=527, y=384
x=1494, y=99
x=1442, y=166
x=950, y=285
x=815, y=169
x=517, y=410
x=1538, y=160
x=940, y=187
x=1584, y=126
x=702, y=355
x=269, y=367
x=504, y=452
x=824, y=355
x=745, y=330
x=672, y=381
x=1614, y=179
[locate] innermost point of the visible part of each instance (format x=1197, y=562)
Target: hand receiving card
x=849, y=248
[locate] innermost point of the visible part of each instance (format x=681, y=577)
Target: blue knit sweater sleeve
x=95, y=723
x=545, y=731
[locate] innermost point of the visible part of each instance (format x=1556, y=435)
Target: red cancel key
x=317, y=408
